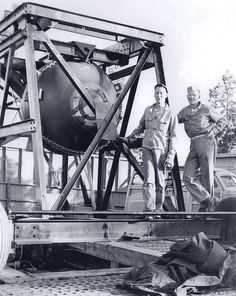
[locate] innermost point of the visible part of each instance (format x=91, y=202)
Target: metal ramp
x=80, y=283
x=86, y=283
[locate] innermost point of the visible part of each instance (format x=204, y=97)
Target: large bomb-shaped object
x=67, y=121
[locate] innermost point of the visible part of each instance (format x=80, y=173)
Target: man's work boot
x=204, y=205
x=208, y=204
x=212, y=204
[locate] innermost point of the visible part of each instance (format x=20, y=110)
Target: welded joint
x=105, y=228
x=34, y=232
x=149, y=229
x=18, y=231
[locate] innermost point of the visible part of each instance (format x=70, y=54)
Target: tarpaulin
x=189, y=266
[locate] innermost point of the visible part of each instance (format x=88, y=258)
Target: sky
x=200, y=43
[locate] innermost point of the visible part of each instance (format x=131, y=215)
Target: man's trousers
x=199, y=167
x=154, y=179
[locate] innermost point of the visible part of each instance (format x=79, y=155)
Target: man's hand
x=124, y=140
x=168, y=166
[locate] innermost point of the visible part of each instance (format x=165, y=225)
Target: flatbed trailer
x=104, y=282
x=124, y=239
x=100, y=233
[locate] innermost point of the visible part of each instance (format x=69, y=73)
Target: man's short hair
x=161, y=85
x=193, y=88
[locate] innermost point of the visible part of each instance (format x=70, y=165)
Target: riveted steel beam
x=43, y=231
x=22, y=127
x=92, y=23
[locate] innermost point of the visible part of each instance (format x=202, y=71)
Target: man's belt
x=199, y=136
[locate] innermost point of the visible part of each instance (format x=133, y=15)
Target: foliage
x=223, y=98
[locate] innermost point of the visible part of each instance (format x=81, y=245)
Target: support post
x=132, y=160
x=51, y=171
x=34, y=110
x=160, y=77
x=4, y=164
x=60, y=201
x=19, y=177
x=64, y=172
x=101, y=178
x=49, y=160
x=3, y=103
x=87, y=200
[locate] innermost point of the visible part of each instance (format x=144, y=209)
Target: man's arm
x=180, y=116
x=219, y=120
x=127, y=140
x=140, y=129
x=172, y=140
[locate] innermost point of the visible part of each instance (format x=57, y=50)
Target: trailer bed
x=81, y=283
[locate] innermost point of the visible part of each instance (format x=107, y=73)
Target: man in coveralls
x=158, y=147
x=202, y=123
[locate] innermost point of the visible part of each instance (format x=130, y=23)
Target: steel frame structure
x=26, y=27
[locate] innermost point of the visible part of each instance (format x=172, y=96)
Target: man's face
x=193, y=96
x=160, y=94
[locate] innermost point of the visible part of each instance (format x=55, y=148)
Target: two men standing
x=159, y=125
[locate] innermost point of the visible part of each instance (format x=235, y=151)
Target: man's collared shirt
x=159, y=127
x=201, y=120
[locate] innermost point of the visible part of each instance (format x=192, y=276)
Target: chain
x=68, y=151
x=99, y=148
x=47, y=66
x=60, y=148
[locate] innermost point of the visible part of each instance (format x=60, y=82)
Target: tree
x=223, y=98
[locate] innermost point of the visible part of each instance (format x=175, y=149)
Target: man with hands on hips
x=158, y=147
x=202, y=123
